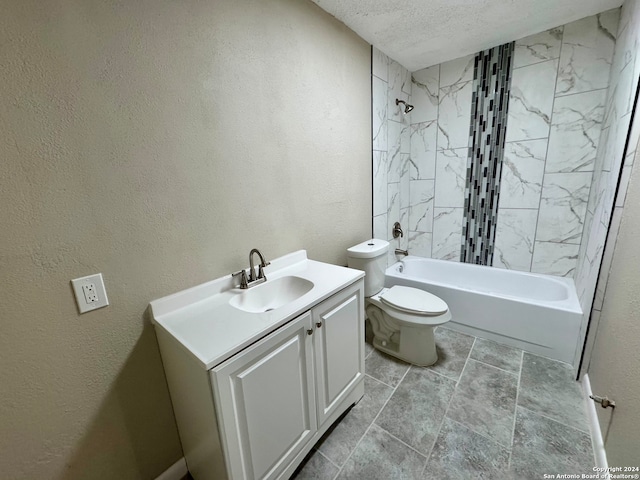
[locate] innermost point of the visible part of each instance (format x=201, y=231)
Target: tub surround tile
x=538, y=48
x=399, y=144
x=423, y=150
x=385, y=368
x=404, y=181
x=420, y=243
x=451, y=172
x=379, y=117
x=421, y=209
x=379, y=455
x=543, y=445
x=555, y=258
x=407, y=417
x=453, y=349
x=393, y=206
x=447, y=233
x=485, y=401
x=547, y=387
x=459, y=70
x=587, y=50
x=563, y=207
x=531, y=101
x=316, y=467
x=380, y=226
x=515, y=234
x=501, y=356
x=454, y=115
x=379, y=64
x=460, y=453
x=522, y=173
x=575, y=131
x=425, y=84
x=380, y=175
x=400, y=88
x=338, y=443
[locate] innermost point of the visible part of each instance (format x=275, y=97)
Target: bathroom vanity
x=257, y=375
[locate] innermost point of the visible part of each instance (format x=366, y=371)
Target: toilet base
x=415, y=345
x=419, y=349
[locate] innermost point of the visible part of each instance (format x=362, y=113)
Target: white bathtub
x=537, y=313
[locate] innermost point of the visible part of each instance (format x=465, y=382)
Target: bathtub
x=537, y=313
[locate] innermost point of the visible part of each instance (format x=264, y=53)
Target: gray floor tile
x=316, y=467
x=338, y=443
x=485, y=401
x=416, y=409
x=379, y=456
x=461, y=454
x=453, y=349
x=541, y=445
x=385, y=368
x=501, y=356
x=548, y=387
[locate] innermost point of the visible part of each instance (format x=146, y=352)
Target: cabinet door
x=338, y=341
x=265, y=402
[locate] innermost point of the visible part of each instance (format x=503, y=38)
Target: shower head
x=407, y=107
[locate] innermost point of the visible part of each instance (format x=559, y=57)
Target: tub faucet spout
x=399, y=251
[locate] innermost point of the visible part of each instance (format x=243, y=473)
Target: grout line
x=402, y=442
x=444, y=416
x=515, y=411
x=586, y=432
x=493, y=366
x=327, y=458
x=373, y=421
x=483, y=435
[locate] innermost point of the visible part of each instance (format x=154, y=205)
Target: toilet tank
x=371, y=257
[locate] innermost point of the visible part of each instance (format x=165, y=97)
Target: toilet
x=402, y=318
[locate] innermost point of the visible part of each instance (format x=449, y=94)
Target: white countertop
x=201, y=319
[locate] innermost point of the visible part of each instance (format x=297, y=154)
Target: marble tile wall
x=564, y=123
x=612, y=167
x=556, y=114
x=439, y=145
x=392, y=167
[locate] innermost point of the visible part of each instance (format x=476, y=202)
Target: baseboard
x=594, y=426
x=175, y=472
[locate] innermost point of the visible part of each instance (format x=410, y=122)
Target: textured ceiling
x=421, y=33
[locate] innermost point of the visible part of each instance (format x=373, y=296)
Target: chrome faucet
x=252, y=270
x=247, y=281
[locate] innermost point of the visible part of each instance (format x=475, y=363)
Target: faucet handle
x=243, y=278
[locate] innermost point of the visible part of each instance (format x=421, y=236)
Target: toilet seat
x=414, y=300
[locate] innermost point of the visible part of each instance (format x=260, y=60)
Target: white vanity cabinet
x=259, y=412
x=265, y=401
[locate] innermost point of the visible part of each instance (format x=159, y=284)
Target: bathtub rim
x=570, y=304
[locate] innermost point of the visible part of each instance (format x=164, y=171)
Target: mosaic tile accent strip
x=489, y=104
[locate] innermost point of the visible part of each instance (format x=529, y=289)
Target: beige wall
x=614, y=370
x=156, y=142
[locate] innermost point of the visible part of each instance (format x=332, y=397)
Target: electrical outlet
x=90, y=292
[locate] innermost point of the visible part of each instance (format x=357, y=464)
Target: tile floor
x=484, y=410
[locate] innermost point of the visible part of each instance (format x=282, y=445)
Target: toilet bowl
x=402, y=318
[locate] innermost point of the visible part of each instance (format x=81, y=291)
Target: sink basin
x=272, y=294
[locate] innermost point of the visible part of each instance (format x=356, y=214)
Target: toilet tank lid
x=369, y=249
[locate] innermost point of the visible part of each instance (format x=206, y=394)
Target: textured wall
x=155, y=142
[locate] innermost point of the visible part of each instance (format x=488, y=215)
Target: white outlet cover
x=81, y=300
